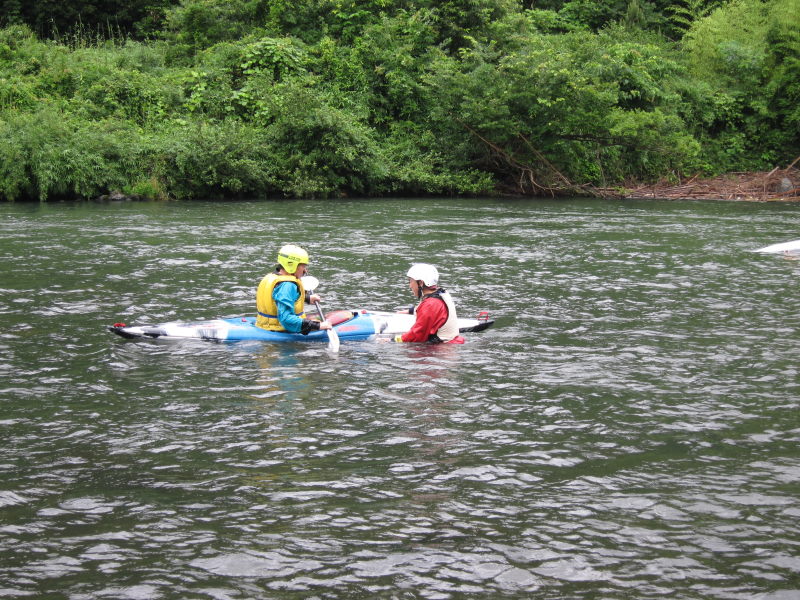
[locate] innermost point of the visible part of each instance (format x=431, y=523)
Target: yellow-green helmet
x=290, y=257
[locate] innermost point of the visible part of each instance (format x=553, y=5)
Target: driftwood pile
x=542, y=178
x=776, y=185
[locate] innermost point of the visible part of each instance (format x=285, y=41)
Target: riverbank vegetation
x=330, y=98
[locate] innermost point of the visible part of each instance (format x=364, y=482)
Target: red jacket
x=431, y=315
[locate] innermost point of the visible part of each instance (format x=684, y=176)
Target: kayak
x=782, y=248
x=355, y=325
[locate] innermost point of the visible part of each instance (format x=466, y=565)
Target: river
x=628, y=428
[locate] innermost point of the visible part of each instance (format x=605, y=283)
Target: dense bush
x=77, y=19
x=368, y=97
x=591, y=108
x=749, y=53
x=46, y=154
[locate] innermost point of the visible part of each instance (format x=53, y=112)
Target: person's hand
x=314, y=298
x=325, y=324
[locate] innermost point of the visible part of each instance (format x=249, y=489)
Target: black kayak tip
x=479, y=327
x=119, y=329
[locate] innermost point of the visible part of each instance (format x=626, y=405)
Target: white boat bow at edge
x=782, y=248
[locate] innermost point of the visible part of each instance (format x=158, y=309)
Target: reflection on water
x=628, y=428
x=278, y=373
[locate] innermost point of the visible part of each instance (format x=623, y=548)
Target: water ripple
x=627, y=428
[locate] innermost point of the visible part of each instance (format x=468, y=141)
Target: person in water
x=436, y=320
x=281, y=297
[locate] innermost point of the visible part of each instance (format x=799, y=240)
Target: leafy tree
x=634, y=15
x=200, y=24
x=747, y=51
x=198, y=159
x=460, y=23
x=394, y=56
x=84, y=19
x=337, y=97
x=10, y=12
x=783, y=65
x=594, y=14
x=46, y=154
x=579, y=107
x=684, y=13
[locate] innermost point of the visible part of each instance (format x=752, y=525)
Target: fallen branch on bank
x=776, y=185
x=529, y=179
x=542, y=178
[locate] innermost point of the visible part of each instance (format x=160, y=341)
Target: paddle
x=310, y=283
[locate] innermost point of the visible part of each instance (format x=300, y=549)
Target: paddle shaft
x=319, y=311
x=333, y=338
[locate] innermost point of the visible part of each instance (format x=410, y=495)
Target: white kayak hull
x=357, y=325
x=792, y=247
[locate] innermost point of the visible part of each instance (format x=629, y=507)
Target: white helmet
x=425, y=273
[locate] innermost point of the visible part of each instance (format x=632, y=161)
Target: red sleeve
x=431, y=315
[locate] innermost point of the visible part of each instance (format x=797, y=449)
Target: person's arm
x=285, y=295
x=431, y=315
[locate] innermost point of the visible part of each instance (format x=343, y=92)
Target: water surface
x=629, y=428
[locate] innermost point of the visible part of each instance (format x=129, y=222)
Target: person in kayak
x=436, y=320
x=281, y=297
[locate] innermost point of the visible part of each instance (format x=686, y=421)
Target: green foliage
x=549, y=21
x=280, y=57
x=634, y=15
x=655, y=142
x=79, y=20
x=20, y=62
x=461, y=24
x=325, y=98
x=308, y=21
x=17, y=92
x=45, y=154
x=729, y=44
x=419, y=165
x=782, y=90
x=747, y=51
x=342, y=71
x=318, y=149
x=394, y=56
x=210, y=160
x=684, y=13
x=127, y=81
x=351, y=17
x=591, y=107
x=11, y=11
x=235, y=78
x=593, y=14
x=129, y=95
x=147, y=187
x=203, y=23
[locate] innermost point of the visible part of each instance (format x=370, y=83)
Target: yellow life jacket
x=267, y=317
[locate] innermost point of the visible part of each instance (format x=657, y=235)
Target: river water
x=628, y=429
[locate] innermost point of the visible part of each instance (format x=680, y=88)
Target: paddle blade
x=333, y=340
x=310, y=283
x=333, y=337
